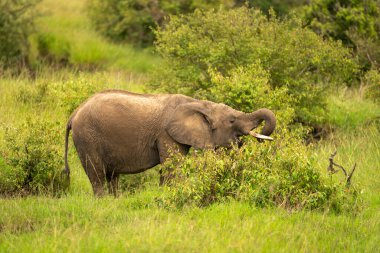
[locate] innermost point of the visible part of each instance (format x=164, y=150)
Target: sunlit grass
x=347, y=109
x=83, y=223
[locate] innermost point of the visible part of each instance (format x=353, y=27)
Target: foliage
x=133, y=20
x=16, y=24
x=10, y=177
x=67, y=94
x=291, y=60
x=371, y=80
x=236, y=89
x=281, y=7
x=33, y=158
x=36, y=93
x=355, y=23
x=279, y=174
x=53, y=49
x=73, y=92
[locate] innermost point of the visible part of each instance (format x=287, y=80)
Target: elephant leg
x=113, y=183
x=95, y=171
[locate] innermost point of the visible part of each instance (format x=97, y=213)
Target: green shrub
x=206, y=51
x=16, y=24
x=67, y=94
x=70, y=93
x=371, y=81
x=11, y=178
x=275, y=174
x=282, y=7
x=355, y=23
x=53, y=49
x=33, y=93
x=133, y=20
x=33, y=158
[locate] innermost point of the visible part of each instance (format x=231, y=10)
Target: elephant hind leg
x=113, y=183
x=95, y=171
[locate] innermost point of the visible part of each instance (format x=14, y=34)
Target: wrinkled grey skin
x=118, y=132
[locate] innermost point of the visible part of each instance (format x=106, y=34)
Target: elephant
x=119, y=132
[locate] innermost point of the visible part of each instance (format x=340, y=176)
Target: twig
x=348, y=182
x=331, y=169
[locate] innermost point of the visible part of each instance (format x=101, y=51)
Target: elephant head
x=203, y=124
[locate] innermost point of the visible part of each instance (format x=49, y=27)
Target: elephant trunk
x=256, y=117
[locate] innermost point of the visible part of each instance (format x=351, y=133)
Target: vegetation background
x=314, y=62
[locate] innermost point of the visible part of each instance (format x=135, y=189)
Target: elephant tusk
x=260, y=136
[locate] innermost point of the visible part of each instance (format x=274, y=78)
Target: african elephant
x=119, y=132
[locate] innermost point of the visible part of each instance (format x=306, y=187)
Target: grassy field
x=134, y=222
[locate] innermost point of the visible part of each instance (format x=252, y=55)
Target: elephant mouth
x=260, y=136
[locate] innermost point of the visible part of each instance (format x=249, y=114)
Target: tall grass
x=82, y=223
x=347, y=109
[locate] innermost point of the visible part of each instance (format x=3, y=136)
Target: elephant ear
x=191, y=124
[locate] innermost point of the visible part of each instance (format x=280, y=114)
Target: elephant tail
x=67, y=168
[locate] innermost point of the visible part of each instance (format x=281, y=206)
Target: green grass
x=348, y=110
x=65, y=33
x=84, y=224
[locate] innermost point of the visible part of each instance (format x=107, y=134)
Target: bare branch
x=348, y=182
x=341, y=167
x=331, y=169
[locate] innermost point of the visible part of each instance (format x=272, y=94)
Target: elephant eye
x=232, y=120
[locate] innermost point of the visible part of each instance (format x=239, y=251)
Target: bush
x=371, y=82
x=133, y=20
x=206, y=50
x=33, y=159
x=71, y=93
x=282, y=7
x=355, y=23
x=16, y=24
x=53, y=49
x=277, y=174
x=35, y=93
x=10, y=177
